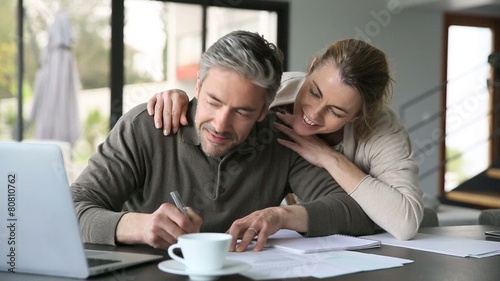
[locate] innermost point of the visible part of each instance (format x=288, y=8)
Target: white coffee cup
x=203, y=252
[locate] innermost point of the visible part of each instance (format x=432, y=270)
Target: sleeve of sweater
x=107, y=182
x=329, y=208
x=390, y=194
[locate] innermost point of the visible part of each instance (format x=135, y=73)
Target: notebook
x=291, y=241
x=39, y=230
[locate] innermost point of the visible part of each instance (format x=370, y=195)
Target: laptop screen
x=39, y=232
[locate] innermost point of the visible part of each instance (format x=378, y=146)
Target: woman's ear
x=311, y=66
x=356, y=118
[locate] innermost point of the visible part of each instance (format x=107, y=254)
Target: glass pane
x=224, y=20
x=162, y=48
x=87, y=43
x=8, y=70
x=467, y=116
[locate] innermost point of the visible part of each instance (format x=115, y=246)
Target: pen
x=178, y=202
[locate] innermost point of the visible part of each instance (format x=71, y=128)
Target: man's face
x=228, y=107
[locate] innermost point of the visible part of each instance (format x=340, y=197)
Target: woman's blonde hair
x=364, y=68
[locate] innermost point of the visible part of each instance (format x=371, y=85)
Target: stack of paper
x=459, y=247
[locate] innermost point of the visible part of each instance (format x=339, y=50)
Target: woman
x=339, y=119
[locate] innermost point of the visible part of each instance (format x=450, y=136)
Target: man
x=227, y=166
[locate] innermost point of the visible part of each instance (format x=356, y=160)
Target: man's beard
x=211, y=149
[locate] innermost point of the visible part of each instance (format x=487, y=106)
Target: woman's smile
x=308, y=121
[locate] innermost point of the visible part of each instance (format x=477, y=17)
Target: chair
x=490, y=217
x=430, y=218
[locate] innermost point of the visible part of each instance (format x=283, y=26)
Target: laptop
x=39, y=231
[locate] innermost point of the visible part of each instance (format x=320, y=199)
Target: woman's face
x=324, y=104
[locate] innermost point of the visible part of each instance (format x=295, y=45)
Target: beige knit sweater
x=389, y=194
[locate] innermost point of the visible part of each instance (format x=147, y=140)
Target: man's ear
x=264, y=112
x=311, y=66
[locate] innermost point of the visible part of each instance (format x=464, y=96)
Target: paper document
x=460, y=247
x=291, y=241
x=272, y=263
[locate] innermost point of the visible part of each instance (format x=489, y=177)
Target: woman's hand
x=311, y=148
x=169, y=109
x=317, y=152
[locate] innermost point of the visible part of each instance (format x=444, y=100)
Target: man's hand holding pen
x=159, y=229
x=167, y=223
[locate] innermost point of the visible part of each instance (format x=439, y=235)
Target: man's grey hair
x=250, y=55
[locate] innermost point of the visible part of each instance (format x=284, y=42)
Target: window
x=471, y=104
x=467, y=103
x=89, y=25
x=167, y=55
x=162, y=51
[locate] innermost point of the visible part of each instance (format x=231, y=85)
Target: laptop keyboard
x=96, y=262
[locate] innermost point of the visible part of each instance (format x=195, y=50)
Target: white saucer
x=230, y=267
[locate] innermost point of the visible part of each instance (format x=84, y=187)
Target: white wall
x=410, y=37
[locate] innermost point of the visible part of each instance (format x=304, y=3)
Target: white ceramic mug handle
x=173, y=255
